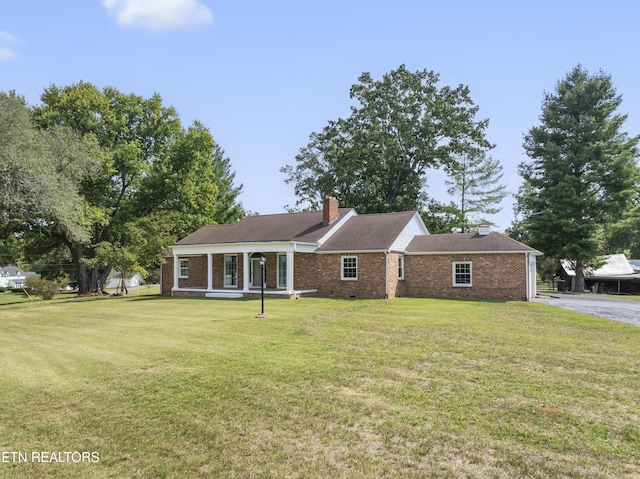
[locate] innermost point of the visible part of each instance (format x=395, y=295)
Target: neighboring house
x=616, y=275
x=131, y=281
x=336, y=252
x=13, y=277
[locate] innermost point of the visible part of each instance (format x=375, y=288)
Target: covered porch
x=230, y=271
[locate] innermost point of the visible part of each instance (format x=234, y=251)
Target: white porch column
x=245, y=272
x=290, y=272
x=176, y=271
x=209, y=271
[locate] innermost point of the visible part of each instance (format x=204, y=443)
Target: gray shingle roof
x=303, y=227
x=368, y=232
x=468, y=243
x=372, y=232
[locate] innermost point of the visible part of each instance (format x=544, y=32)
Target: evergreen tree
x=624, y=235
x=582, y=174
x=474, y=182
x=193, y=182
x=439, y=217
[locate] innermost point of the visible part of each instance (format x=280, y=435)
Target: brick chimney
x=329, y=210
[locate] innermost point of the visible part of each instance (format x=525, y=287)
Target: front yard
x=147, y=386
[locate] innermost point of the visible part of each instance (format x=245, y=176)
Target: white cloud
x=8, y=37
x=159, y=15
x=6, y=52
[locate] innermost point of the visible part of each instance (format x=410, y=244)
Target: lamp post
x=263, y=260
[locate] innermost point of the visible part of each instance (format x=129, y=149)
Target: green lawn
x=322, y=388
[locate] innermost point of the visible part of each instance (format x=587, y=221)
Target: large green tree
x=440, y=217
x=139, y=140
x=376, y=160
x=474, y=182
x=582, y=173
x=624, y=235
x=42, y=174
x=137, y=251
x=194, y=183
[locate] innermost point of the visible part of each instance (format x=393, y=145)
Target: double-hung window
x=400, y=267
x=462, y=273
x=349, y=269
x=230, y=270
x=184, y=268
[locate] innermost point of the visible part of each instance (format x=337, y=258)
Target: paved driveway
x=619, y=309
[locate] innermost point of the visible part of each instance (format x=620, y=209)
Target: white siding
x=413, y=228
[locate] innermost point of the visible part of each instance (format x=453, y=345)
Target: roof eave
x=354, y=251
x=434, y=253
x=240, y=247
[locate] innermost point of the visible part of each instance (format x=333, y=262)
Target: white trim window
x=349, y=268
x=462, y=273
x=400, y=266
x=282, y=270
x=183, y=265
x=230, y=270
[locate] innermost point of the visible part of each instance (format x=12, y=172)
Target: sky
x=264, y=75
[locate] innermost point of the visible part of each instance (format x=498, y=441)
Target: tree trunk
x=90, y=280
x=123, y=282
x=579, y=286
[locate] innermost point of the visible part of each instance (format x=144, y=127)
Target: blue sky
x=264, y=75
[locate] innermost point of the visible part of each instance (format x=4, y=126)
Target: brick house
x=336, y=252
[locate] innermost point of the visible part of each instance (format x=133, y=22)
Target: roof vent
x=484, y=230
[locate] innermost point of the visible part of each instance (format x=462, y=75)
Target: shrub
x=2, y=289
x=44, y=288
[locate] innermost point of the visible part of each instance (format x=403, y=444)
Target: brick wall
x=370, y=282
x=218, y=271
x=271, y=270
x=197, y=273
x=311, y=271
x=494, y=276
x=305, y=271
x=166, y=276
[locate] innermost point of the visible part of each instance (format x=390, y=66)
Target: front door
x=256, y=273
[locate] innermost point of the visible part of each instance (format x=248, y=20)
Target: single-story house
x=616, y=275
x=131, y=281
x=336, y=252
x=13, y=277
